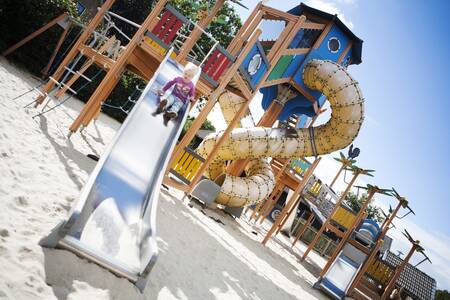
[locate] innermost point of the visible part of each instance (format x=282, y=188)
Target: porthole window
x=334, y=45
x=254, y=64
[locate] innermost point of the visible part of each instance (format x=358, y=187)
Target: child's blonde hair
x=191, y=69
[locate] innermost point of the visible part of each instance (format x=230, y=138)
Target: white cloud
x=332, y=8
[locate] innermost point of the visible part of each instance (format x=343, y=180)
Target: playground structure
x=285, y=65
x=63, y=21
x=305, y=64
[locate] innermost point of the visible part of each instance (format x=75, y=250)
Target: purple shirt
x=182, y=90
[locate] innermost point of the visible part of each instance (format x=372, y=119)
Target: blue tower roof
x=357, y=42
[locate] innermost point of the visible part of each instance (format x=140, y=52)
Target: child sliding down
x=183, y=91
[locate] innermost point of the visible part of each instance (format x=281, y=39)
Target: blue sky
x=406, y=137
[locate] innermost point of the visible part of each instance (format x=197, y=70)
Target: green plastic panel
x=280, y=67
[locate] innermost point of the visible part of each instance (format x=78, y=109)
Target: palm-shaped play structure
x=346, y=161
x=357, y=171
x=416, y=247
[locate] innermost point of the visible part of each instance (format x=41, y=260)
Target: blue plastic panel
x=254, y=79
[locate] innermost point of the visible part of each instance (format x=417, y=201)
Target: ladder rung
x=40, y=92
x=62, y=84
x=78, y=73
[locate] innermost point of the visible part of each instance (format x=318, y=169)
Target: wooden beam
x=290, y=204
x=324, y=33
x=113, y=75
x=276, y=82
x=301, y=232
x=243, y=87
x=327, y=221
x=297, y=51
x=94, y=56
x=243, y=28
x=196, y=32
x=246, y=34
x=33, y=35
x=344, y=53
x=398, y=271
x=55, y=51
x=201, y=117
x=299, y=88
x=71, y=55
x=312, y=25
x=275, y=14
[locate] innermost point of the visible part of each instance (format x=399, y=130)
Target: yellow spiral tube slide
x=257, y=143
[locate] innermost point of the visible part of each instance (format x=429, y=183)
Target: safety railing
x=163, y=35
x=343, y=217
x=186, y=165
x=380, y=272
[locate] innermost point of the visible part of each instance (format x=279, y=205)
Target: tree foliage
x=20, y=18
x=223, y=27
x=355, y=203
x=442, y=295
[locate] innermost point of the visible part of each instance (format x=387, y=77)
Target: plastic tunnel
x=347, y=105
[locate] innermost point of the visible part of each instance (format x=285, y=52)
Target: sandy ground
x=204, y=254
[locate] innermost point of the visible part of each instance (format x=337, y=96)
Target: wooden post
x=197, y=32
x=338, y=203
x=33, y=35
x=114, y=73
x=374, y=250
x=261, y=206
x=348, y=233
x=83, y=68
x=398, y=271
x=245, y=35
x=304, y=227
x=238, y=37
x=297, y=201
x=268, y=206
x=337, y=175
x=71, y=55
x=291, y=202
x=275, y=108
x=264, y=209
x=195, y=126
x=55, y=52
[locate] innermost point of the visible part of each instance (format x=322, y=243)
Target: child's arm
x=191, y=95
x=167, y=86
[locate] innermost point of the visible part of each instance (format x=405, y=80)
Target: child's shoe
x=161, y=106
x=169, y=116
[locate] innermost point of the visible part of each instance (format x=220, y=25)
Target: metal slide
x=113, y=222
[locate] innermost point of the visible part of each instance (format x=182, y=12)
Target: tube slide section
x=347, y=104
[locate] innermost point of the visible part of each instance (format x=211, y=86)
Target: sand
x=204, y=253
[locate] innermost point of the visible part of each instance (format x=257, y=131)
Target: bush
x=20, y=18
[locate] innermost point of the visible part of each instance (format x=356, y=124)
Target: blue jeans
x=174, y=104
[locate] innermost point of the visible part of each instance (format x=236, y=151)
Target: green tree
x=223, y=27
x=355, y=203
x=21, y=18
x=442, y=295
x=35, y=54
x=207, y=125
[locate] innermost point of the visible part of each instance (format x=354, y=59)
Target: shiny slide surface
x=113, y=222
